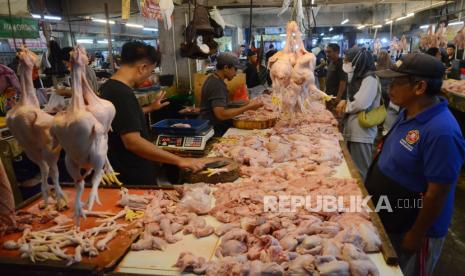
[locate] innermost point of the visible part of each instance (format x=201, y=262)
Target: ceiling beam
x=279, y=3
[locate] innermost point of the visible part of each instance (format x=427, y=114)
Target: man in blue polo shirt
x=419, y=164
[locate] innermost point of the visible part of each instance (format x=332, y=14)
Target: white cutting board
x=161, y=262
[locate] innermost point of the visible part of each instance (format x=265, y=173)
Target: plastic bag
x=197, y=198
x=55, y=104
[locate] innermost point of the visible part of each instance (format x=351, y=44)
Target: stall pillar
x=171, y=61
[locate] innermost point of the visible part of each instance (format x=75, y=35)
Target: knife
x=216, y=164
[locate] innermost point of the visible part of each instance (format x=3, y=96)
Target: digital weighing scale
x=193, y=139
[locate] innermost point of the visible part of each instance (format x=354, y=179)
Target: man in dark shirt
x=215, y=97
x=129, y=150
x=270, y=53
x=251, y=73
x=336, y=78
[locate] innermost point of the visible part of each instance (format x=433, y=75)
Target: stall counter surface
x=143, y=262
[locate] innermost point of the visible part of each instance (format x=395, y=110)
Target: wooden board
x=106, y=260
x=249, y=124
x=230, y=176
x=390, y=255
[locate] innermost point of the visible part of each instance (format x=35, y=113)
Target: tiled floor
x=452, y=261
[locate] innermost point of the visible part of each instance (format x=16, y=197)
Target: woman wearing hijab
x=362, y=94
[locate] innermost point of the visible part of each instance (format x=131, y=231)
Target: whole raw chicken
x=82, y=136
x=394, y=47
x=291, y=71
x=459, y=39
x=31, y=128
x=104, y=111
x=377, y=46
x=403, y=45
x=441, y=36
x=427, y=39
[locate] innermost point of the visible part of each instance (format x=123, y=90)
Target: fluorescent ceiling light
x=151, y=29
x=102, y=21
x=134, y=25
x=85, y=41
x=361, y=27
x=48, y=17
x=389, y=22
x=344, y=21
x=282, y=35
x=105, y=41
x=424, y=27
x=330, y=29
x=322, y=34
x=438, y=3
x=384, y=40
x=407, y=16
x=377, y=26
x=455, y=23
x=326, y=38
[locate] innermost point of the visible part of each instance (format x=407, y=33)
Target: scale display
x=184, y=142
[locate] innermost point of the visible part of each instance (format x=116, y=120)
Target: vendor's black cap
x=228, y=59
x=417, y=64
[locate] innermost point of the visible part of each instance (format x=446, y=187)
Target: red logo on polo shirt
x=412, y=136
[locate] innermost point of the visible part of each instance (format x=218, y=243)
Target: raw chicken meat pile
x=456, y=86
x=296, y=157
x=291, y=71
x=308, y=145
x=267, y=112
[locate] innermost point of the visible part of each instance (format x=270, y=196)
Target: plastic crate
x=197, y=126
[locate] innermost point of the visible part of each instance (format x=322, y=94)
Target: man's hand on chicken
x=191, y=164
x=255, y=104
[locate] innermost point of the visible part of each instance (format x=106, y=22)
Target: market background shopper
x=420, y=161
x=362, y=95
x=336, y=78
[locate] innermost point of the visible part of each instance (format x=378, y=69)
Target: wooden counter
x=10, y=261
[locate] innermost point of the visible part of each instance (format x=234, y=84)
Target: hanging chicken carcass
x=83, y=136
x=403, y=44
x=31, y=128
x=291, y=71
x=459, y=39
x=441, y=36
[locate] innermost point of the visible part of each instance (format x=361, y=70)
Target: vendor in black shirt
x=129, y=150
x=215, y=97
x=336, y=78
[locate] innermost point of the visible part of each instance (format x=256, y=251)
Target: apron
x=400, y=220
